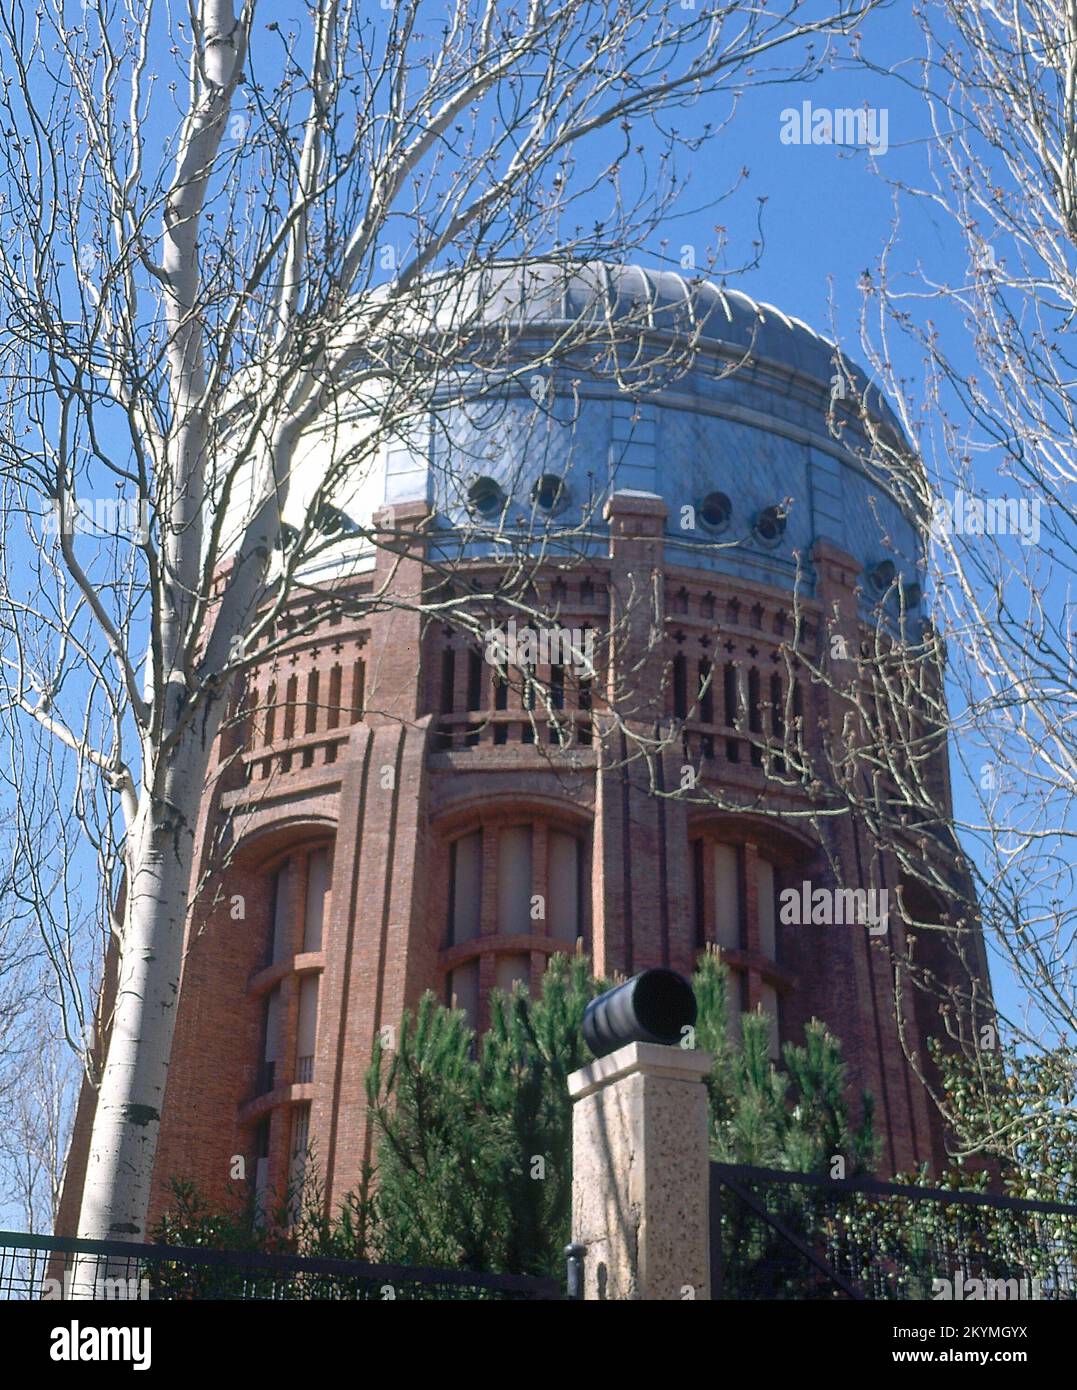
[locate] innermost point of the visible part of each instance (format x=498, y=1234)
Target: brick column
x=639, y=890
x=640, y=1173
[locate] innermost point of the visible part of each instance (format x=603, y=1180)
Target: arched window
x=288, y=998
x=735, y=887
x=299, y=905
x=511, y=884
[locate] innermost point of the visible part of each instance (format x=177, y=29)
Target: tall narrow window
x=501, y=686
x=261, y=1164
x=755, y=719
x=583, y=699
x=270, y=1041
x=527, y=675
x=462, y=990
x=448, y=680
x=706, y=693
x=729, y=690
x=557, y=685
x=732, y=709
x=271, y=713
x=291, y=699
x=332, y=713
x=358, y=691
x=465, y=895
x=474, y=695
x=447, y=698
x=474, y=680
x=281, y=945
x=777, y=720
x=564, y=888
x=300, y=1146
x=727, y=899
x=310, y=718
x=317, y=890
x=698, y=891
x=680, y=687
x=514, y=881
x=706, y=705
x=764, y=883
x=307, y=1030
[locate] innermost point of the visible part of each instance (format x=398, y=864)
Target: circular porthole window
x=881, y=576
x=333, y=523
x=485, y=497
x=549, y=493
x=770, y=525
x=715, y=511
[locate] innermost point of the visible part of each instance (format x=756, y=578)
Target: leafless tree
x=995, y=424
x=225, y=241
x=37, y=1111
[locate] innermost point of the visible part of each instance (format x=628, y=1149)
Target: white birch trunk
x=119, y=1172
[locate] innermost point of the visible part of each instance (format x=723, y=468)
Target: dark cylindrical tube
x=655, y=1006
x=574, y=1270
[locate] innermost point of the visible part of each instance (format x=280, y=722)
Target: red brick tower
x=391, y=811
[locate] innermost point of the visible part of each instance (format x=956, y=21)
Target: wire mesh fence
x=777, y=1235
x=50, y=1267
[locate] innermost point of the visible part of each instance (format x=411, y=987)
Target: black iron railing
x=50, y=1267
x=778, y=1235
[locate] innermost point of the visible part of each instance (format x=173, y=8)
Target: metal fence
x=48, y=1267
x=778, y=1235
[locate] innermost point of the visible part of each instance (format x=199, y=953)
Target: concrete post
x=640, y=1174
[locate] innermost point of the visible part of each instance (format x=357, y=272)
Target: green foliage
x=297, y=1223
x=474, y=1161
x=474, y=1157
x=795, y=1118
x=1018, y=1111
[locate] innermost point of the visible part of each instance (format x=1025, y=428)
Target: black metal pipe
x=654, y=1006
x=574, y=1270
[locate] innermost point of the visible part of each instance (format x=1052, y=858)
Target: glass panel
x=727, y=896
x=317, y=891
x=272, y=1024
x=466, y=888
x=464, y=990
x=298, y=1162
x=563, y=908
x=282, y=899
x=307, y=1030
x=514, y=881
x=510, y=970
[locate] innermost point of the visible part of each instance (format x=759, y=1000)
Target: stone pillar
x=640, y=1173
